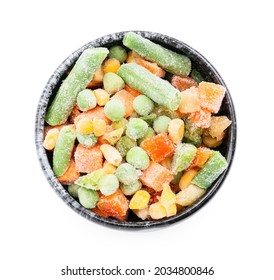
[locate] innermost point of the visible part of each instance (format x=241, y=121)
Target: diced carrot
x=74, y=113
x=133, y=91
x=201, y=118
x=71, y=174
x=183, y=83
x=96, y=113
x=211, y=96
x=97, y=79
x=151, y=67
x=158, y=147
x=201, y=157
x=156, y=176
x=127, y=99
x=97, y=211
x=114, y=205
x=88, y=159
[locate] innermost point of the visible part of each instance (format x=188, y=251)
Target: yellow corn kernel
x=157, y=211
x=139, y=200
x=142, y=213
x=102, y=96
x=84, y=126
x=168, y=197
x=190, y=195
x=166, y=163
x=108, y=168
x=111, y=154
x=99, y=127
x=187, y=178
x=211, y=142
x=113, y=136
x=51, y=139
x=176, y=130
x=111, y=65
x=171, y=210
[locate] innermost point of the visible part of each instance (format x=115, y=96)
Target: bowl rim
x=43, y=159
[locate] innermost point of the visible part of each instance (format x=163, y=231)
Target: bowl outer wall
x=55, y=80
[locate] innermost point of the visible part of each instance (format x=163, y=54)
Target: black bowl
x=199, y=62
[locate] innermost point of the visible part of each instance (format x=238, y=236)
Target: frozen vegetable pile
x=133, y=128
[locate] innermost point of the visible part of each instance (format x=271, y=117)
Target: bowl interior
x=198, y=62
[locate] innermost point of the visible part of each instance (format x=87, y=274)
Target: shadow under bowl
x=198, y=62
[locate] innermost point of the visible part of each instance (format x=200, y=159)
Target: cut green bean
x=118, y=52
x=171, y=61
x=211, y=171
x=157, y=89
x=125, y=144
x=88, y=198
x=184, y=154
x=108, y=184
x=77, y=80
x=62, y=151
x=73, y=190
x=86, y=100
x=87, y=140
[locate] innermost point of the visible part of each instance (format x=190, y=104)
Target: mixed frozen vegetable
x=133, y=128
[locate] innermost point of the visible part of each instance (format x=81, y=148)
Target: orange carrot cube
x=114, y=205
x=133, y=91
x=201, y=157
x=158, y=147
x=201, y=118
x=151, y=67
x=71, y=174
x=211, y=96
x=156, y=176
x=88, y=159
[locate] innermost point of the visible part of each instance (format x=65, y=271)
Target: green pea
x=149, y=133
x=161, y=124
x=88, y=198
x=73, y=190
x=131, y=189
x=114, y=109
x=136, y=128
x=125, y=144
x=126, y=174
x=137, y=157
x=143, y=105
x=86, y=100
x=112, y=83
x=87, y=140
x=108, y=184
x=118, y=52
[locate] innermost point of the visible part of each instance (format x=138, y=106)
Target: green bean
x=157, y=89
x=171, y=61
x=62, y=151
x=90, y=181
x=77, y=80
x=197, y=76
x=210, y=171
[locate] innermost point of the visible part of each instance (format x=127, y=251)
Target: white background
x=233, y=233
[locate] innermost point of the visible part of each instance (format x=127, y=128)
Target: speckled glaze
x=199, y=62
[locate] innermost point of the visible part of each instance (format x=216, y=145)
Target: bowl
x=199, y=62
